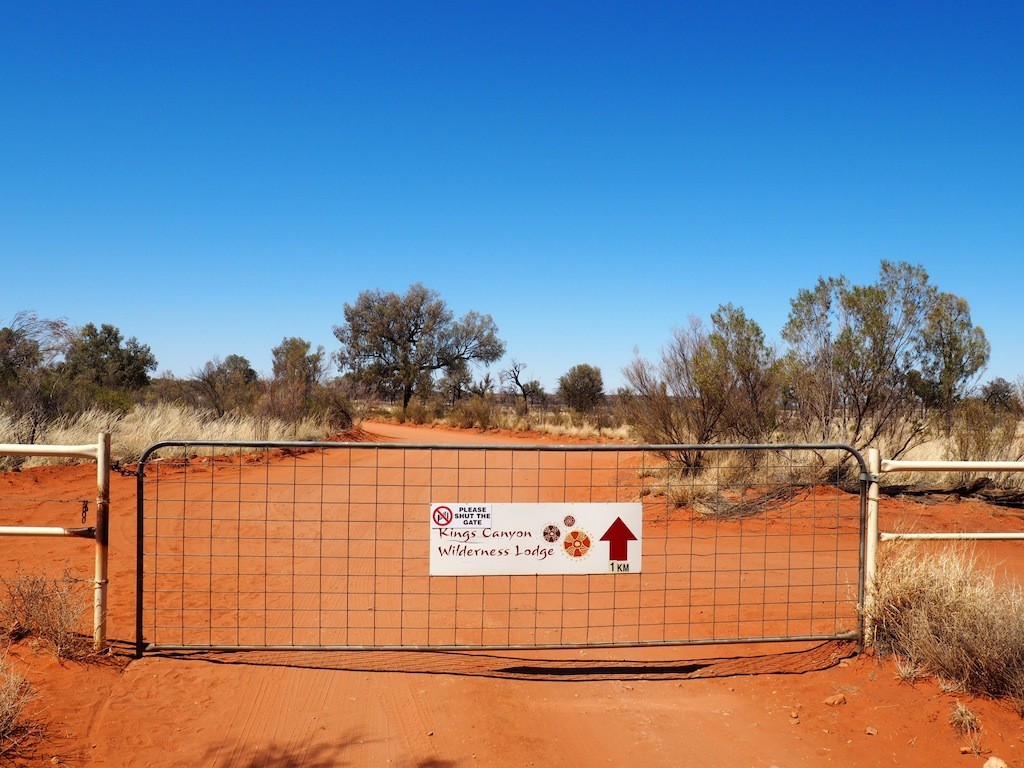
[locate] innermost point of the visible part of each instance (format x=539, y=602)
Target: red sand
x=565, y=708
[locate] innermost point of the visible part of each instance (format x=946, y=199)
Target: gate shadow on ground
x=512, y=667
x=333, y=754
x=318, y=755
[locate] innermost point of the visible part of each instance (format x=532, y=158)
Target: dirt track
x=612, y=707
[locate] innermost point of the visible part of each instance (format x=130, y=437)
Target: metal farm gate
x=356, y=545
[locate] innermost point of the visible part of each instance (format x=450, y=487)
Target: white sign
x=526, y=539
x=460, y=515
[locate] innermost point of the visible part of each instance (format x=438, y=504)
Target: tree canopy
x=102, y=357
x=862, y=354
x=582, y=387
x=100, y=368
x=711, y=383
x=226, y=385
x=298, y=371
x=29, y=346
x=396, y=344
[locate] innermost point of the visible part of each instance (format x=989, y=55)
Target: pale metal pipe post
x=70, y=451
x=102, y=541
x=951, y=536
x=21, y=530
x=871, y=545
x=893, y=465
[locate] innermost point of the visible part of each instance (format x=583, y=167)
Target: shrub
x=49, y=609
x=939, y=610
x=334, y=408
x=415, y=412
x=582, y=387
x=478, y=411
x=420, y=411
x=15, y=694
x=981, y=433
x=712, y=383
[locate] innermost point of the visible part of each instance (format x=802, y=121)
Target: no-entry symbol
x=442, y=516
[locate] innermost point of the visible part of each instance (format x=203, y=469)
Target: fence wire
x=327, y=545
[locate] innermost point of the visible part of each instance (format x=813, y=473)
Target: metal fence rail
x=100, y=453
x=327, y=545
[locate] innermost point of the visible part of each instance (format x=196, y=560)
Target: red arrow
x=618, y=537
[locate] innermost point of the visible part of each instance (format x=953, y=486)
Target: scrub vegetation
x=47, y=610
x=894, y=364
x=44, y=611
x=943, y=613
x=15, y=694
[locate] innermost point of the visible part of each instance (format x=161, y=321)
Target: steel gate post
x=871, y=543
x=99, y=636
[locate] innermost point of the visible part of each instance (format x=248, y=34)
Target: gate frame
x=864, y=519
x=100, y=533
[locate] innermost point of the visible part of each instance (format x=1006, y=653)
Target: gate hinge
x=867, y=477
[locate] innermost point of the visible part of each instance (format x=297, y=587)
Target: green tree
x=582, y=387
x=102, y=357
x=298, y=372
x=398, y=343
x=455, y=383
x=952, y=350
x=484, y=387
x=711, y=383
x=101, y=367
x=534, y=392
x=226, y=385
x=29, y=346
x=853, y=349
x=749, y=374
x=19, y=354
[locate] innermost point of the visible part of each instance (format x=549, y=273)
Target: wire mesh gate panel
x=326, y=545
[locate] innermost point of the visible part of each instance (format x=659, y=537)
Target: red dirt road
x=630, y=707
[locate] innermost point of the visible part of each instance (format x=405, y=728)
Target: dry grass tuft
x=963, y=720
x=487, y=412
x=910, y=670
x=950, y=686
x=15, y=694
x=47, y=609
x=941, y=612
x=144, y=425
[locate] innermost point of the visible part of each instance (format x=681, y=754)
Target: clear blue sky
x=214, y=177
